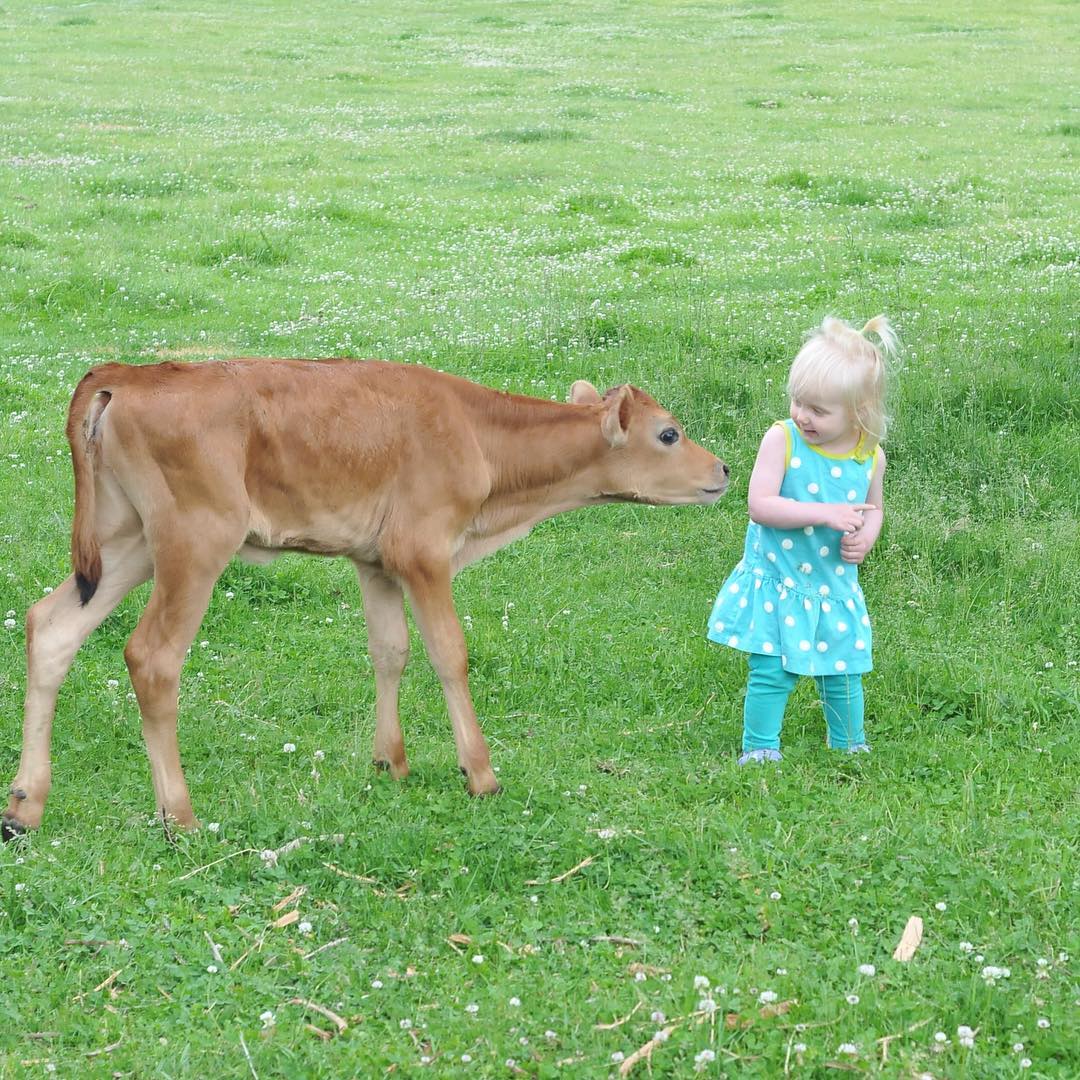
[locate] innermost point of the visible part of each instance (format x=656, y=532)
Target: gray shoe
x=858, y=748
x=760, y=756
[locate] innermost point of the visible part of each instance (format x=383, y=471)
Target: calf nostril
x=727, y=471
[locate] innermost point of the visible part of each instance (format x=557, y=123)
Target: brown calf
x=410, y=473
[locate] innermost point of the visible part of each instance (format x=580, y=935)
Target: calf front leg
x=388, y=644
x=428, y=586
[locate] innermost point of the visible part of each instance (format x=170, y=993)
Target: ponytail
x=880, y=326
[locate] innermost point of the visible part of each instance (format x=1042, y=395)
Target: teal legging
x=767, y=692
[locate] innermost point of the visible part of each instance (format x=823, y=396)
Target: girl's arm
x=768, y=507
x=856, y=546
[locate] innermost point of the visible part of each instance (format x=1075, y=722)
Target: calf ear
x=616, y=420
x=584, y=393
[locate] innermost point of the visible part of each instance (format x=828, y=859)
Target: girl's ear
x=584, y=393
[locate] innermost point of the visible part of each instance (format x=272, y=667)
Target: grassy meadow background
x=527, y=193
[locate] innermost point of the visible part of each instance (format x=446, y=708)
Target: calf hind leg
x=55, y=629
x=388, y=644
x=183, y=581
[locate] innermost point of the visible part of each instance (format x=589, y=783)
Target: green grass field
x=527, y=193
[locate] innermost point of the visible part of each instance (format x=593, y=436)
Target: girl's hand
x=854, y=547
x=845, y=517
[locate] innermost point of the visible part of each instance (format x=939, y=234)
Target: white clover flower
x=661, y=1036
x=964, y=1031
x=657, y=1017
x=767, y=997
x=848, y=1048
x=211, y=969
x=941, y=906
x=1042, y=962
x=405, y=1024
x=304, y=927
x=774, y=895
x=549, y=1034
x=607, y=834
x=10, y=624
x=940, y=1037
x=289, y=748
x=20, y=886
x=781, y=971
x=269, y=857
x=868, y=970
x=967, y=1041
x=701, y=982
x=515, y=1002
x=966, y=946
x=1042, y=1022
x=1025, y=1063
x=319, y=755
x=472, y=1008
x=617, y=1057
x=852, y=999
x=706, y=1005
x=478, y=959
x=376, y=984
x=1018, y=1047
x=465, y=1059
x=213, y=826
x=799, y=1048
x=639, y=976
x=267, y=1018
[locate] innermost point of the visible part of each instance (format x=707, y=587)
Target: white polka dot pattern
x=804, y=604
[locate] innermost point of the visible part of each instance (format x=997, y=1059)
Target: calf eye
x=669, y=436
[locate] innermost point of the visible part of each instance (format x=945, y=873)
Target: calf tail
x=87, y=404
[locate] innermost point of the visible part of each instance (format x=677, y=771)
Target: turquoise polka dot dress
x=791, y=595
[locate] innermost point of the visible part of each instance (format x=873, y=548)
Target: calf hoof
x=398, y=772
x=10, y=829
x=481, y=786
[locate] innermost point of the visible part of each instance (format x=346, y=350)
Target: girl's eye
x=669, y=436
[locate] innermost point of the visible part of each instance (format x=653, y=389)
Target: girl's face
x=826, y=424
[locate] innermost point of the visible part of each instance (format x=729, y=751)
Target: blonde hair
x=841, y=363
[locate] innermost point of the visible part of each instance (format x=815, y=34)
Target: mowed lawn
x=527, y=193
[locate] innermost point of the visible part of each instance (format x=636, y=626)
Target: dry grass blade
x=323, y=948
x=645, y=1052
x=910, y=940
x=562, y=877
x=617, y=1023
x=104, y=1050
x=215, y=949
x=348, y=874
x=224, y=858
x=286, y=920
x=322, y=1010
x=294, y=896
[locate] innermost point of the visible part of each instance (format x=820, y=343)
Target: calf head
x=651, y=458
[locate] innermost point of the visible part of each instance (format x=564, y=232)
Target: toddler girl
x=793, y=602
